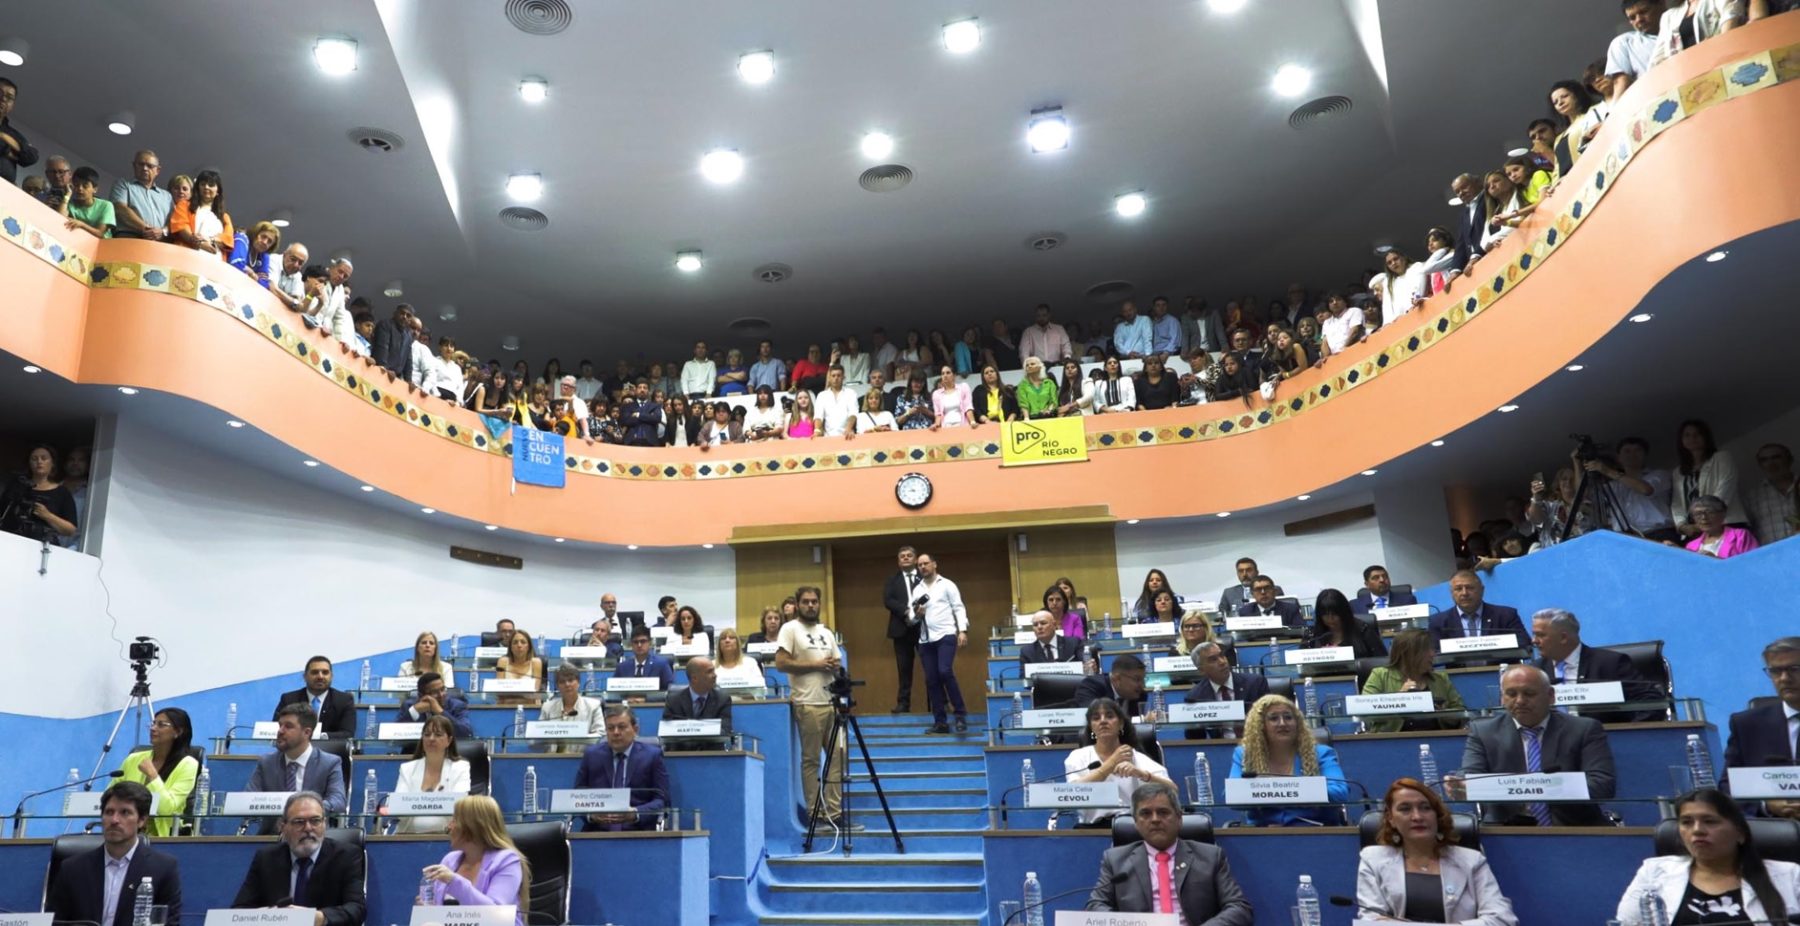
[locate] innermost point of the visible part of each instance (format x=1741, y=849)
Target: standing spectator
x=1641, y=495
x=855, y=360
x=1774, y=500
x=808, y=653
x=734, y=377
x=1440, y=260
x=339, y=317
x=993, y=400
x=1691, y=22
x=951, y=402
x=1549, y=510
x=1704, y=470
x=642, y=417
x=768, y=370
x=1289, y=357
x=588, y=385
x=50, y=513
x=424, y=363
x=15, y=151
x=699, y=374
x=1132, y=335
x=1343, y=328
x=1045, y=338
x=1402, y=286
x=1036, y=393
x=393, y=338
x=1473, y=225
x=1200, y=326
x=1628, y=57
x=943, y=629
x=682, y=429
x=58, y=182
x=967, y=352
x=254, y=252
x=802, y=421
x=764, y=420
x=912, y=410
x=662, y=380
x=566, y=393
x=883, y=351
x=84, y=209
x=1502, y=199
x=141, y=207
x=810, y=372
x=200, y=221
x=1576, y=105
x=1531, y=182
x=1001, y=351
x=1165, y=329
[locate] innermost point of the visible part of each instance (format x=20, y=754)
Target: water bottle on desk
x=365, y=675
x=1428, y=767
x=1106, y=627
x=1700, y=763
x=140, y=906
x=518, y=727
x=1306, y=900
x=1034, y=900
x=1652, y=911
x=540, y=647
x=203, y=792
x=230, y=718
x=531, y=795
x=1018, y=711
x=371, y=795
x=1309, y=699
x=369, y=723
x=74, y=777
x=1203, y=792
x=455, y=647
x=1027, y=776
x=1090, y=660
x=1159, y=703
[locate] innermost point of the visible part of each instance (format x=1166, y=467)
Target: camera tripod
x=135, y=705
x=1606, y=505
x=843, y=719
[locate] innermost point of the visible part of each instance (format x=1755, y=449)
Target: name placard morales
x=1275, y=789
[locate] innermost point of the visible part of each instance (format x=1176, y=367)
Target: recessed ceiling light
x=13, y=52
x=1456, y=200
x=121, y=123
x=393, y=290
x=1222, y=514
x=876, y=146
x=1130, y=205
x=1574, y=368
x=722, y=165
x=310, y=463
x=281, y=218
x=687, y=261
x=368, y=488
x=335, y=55
x=560, y=540
x=33, y=368
x=1437, y=443
x=1641, y=317
x=1226, y=7
x=525, y=188
x=757, y=67
x=1717, y=256
x=1132, y=521
x=492, y=527
x=1301, y=498
x=509, y=342
x=534, y=89
x=1291, y=80
x=706, y=546
x=962, y=36
x=1517, y=152
x=1047, y=130
x=428, y=511
x=1508, y=409
x=631, y=546
x=447, y=313
x=233, y=423
x=1381, y=250
x=1368, y=472
x=128, y=390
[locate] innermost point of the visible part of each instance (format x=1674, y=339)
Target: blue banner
x=538, y=457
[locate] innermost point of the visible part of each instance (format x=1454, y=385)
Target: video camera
x=1588, y=450
x=143, y=649
x=15, y=511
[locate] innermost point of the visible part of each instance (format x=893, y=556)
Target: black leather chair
x=188, y=823
x=1762, y=701
x=1403, y=589
x=489, y=638
x=480, y=767
x=1147, y=744
x=341, y=749
x=1647, y=659
x=349, y=835
x=1365, y=667
x=1048, y=691
x=1282, y=685
x=1195, y=826
x=65, y=848
x=1775, y=838
x=546, y=849
x=1466, y=825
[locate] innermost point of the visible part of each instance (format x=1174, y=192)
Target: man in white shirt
x=570, y=705
x=944, y=630
x=337, y=316
x=699, y=375
x=1343, y=328
x=1045, y=339
x=288, y=284
x=883, y=350
x=808, y=653
x=834, y=406
x=1628, y=57
x=568, y=392
x=587, y=386
x=1642, y=495
x=424, y=362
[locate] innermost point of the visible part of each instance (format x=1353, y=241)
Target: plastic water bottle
x=426, y=891
x=1652, y=911
x=1027, y=774
x=202, y=801
x=519, y=721
x=1309, y=698
x=540, y=646
x=371, y=793
x=531, y=796
x=1090, y=662
x=1700, y=763
x=587, y=680
x=1018, y=710
x=1428, y=768
x=1274, y=657
x=1307, y=899
x=74, y=777
x=455, y=647
x=230, y=718
x=365, y=675
x=1106, y=628
x=140, y=906
x=1202, y=779
x=1159, y=702
x=1034, y=900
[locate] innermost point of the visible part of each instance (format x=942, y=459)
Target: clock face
x=913, y=490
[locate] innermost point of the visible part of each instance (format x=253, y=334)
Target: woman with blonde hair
x=733, y=663
x=484, y=868
x=1277, y=742
x=425, y=657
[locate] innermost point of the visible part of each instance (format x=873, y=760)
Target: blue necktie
x=1471, y=625
x=1534, y=762
x=619, y=764
x=302, y=867
x=1381, y=601
x=317, y=707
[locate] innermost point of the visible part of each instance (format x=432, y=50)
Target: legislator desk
x=1563, y=876
x=619, y=877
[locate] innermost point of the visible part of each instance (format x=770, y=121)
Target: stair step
x=937, y=750
x=897, y=780
x=867, y=799
x=968, y=761
x=839, y=919
x=912, y=868
x=883, y=887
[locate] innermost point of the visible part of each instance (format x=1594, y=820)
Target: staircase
x=936, y=788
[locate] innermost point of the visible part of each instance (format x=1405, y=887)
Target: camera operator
x=39, y=507
x=1641, y=495
x=808, y=653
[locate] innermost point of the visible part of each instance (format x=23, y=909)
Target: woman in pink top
x=1715, y=538
x=484, y=868
x=951, y=401
x=800, y=420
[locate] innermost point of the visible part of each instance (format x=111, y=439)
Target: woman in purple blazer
x=484, y=868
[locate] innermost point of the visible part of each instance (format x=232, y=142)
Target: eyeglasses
x=1782, y=671
x=308, y=822
x=160, y=725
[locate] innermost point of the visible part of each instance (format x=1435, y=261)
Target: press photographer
x=37, y=505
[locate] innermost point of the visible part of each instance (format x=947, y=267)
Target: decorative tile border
x=1596, y=175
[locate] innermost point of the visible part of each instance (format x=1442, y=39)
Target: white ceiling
x=1162, y=95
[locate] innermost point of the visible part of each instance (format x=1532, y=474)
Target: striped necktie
x=1534, y=762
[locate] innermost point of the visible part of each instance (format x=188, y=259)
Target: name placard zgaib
x=1765, y=781
x=463, y=916
x=557, y=730
x=1572, y=693
x=1057, y=718
x=1072, y=794
x=1292, y=789
x=1400, y=702
x=1403, y=612
x=262, y=916
x=1052, y=668
x=590, y=800
x=1323, y=654
x=1479, y=644
x=423, y=803
x=1541, y=787
x=1151, y=630
x=1206, y=712
x=633, y=684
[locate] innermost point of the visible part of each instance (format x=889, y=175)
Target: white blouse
x=454, y=777
x=748, y=670
x=1088, y=755
x=867, y=423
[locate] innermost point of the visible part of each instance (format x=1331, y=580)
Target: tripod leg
x=818, y=803
x=1568, y=524
x=875, y=779
x=106, y=748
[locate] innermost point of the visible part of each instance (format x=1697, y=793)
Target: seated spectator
x=1116, y=392
x=1715, y=537
x=682, y=429
x=855, y=360
x=1502, y=199
x=1277, y=742
x=295, y=765
x=1628, y=57
x=1773, y=501
x=1123, y=684
x=1530, y=737
x=1409, y=669
x=433, y=698
x=521, y=661
x=1290, y=358
x=769, y=626
x=763, y=422
x=1307, y=334
x=1195, y=628
x=1704, y=470
x=166, y=769
x=874, y=419
x=600, y=633
x=1197, y=382
x=1548, y=512
x=484, y=867
x=1219, y=683
x=993, y=400
x=85, y=209
x=254, y=252
x=700, y=700
x=1343, y=328
x=1720, y=877
x=1690, y=22
x=912, y=410
x=623, y=762
x=721, y=430
x=1378, y=592
x=1403, y=286
x=141, y=207
x=736, y=668
x=1336, y=624
x=434, y=766
x=951, y=402
x=1071, y=623
x=569, y=704
x=810, y=371
x=1418, y=874
x=96, y=884
x=1110, y=740
x=334, y=886
x=200, y=220
x=999, y=348
x=1472, y=616
x=734, y=376
x=1049, y=645
x=689, y=628
x=1576, y=105
x=1142, y=609
x=642, y=663
x=1764, y=735
x=425, y=658
x=1036, y=393
x=1264, y=603
x=1639, y=495
x=1156, y=387
x=1236, y=381
x=48, y=506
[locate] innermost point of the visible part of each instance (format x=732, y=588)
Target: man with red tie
x=1163, y=874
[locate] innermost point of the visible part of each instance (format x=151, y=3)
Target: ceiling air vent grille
x=773, y=273
x=885, y=178
x=378, y=141
x=1111, y=290
x=1319, y=110
x=1046, y=241
x=539, y=17
x=521, y=218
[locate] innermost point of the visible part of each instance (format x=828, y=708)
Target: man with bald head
x=700, y=700
x=140, y=207
x=1532, y=737
x=59, y=181
x=288, y=284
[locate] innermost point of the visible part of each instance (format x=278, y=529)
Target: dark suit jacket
x=1095, y=687
x=1289, y=611
x=1570, y=744
x=1210, y=896
x=1604, y=665
x=337, y=717
x=1364, y=639
x=691, y=424
x=1062, y=649
x=81, y=882
x=392, y=349
x=1495, y=619
x=896, y=597
x=1244, y=686
x=1469, y=228
x=680, y=706
x=1364, y=601
x=334, y=887
x=324, y=775
x=456, y=707
x=1231, y=597
x=1009, y=403
x=1759, y=736
x=655, y=666
x=645, y=775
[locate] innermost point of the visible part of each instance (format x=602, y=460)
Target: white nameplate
x=1181, y=712
x=585, y=653
x=1052, y=668
x=1054, y=718
x=698, y=647
x=399, y=683
x=1399, y=702
x=489, y=653
x=762, y=649
x=1765, y=781
x=264, y=730
x=423, y=803
x=1072, y=794
x=1024, y=637
x=463, y=916
x=1236, y=624
x=1287, y=789
x=510, y=686
x=741, y=682
x=1480, y=644
x=1084, y=918
x=1023, y=620
x=1143, y=631
x=1590, y=693
x=557, y=730
x=254, y=804
x=1528, y=788
x=659, y=634
x=1308, y=657
x=1172, y=664
x=399, y=731
x=26, y=919
x=1401, y=612
x=87, y=803
x=261, y=916
x=679, y=728
x=590, y=800
x=633, y=684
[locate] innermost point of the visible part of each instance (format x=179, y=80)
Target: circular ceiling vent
x=379, y=141
x=539, y=17
x=1325, y=107
x=1046, y=241
x=773, y=273
x=885, y=178
x=750, y=326
x=1111, y=290
x=521, y=218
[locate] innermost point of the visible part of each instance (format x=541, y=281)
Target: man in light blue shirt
x=1628, y=57
x=1165, y=329
x=1131, y=336
x=141, y=206
x=768, y=370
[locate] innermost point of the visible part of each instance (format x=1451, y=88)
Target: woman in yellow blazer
x=165, y=768
x=1409, y=669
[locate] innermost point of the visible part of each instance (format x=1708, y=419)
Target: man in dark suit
x=1124, y=684
x=305, y=869
x=1765, y=735
x=623, y=762
x=296, y=766
x=1563, y=657
x=432, y=696
x=645, y=663
x=335, y=709
x=83, y=892
x=1049, y=645
x=1531, y=737
x=1263, y=603
x=1165, y=874
x=1473, y=222
x=1473, y=617
x=700, y=700
x=1236, y=596
x=898, y=597
x=1219, y=683
x=1378, y=592
x=392, y=347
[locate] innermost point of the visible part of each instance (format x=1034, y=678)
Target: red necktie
x=1165, y=888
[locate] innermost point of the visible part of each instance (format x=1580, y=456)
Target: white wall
x=242, y=576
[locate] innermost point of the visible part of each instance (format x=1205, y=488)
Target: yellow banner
x=1047, y=440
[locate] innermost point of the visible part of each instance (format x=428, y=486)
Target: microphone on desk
x=1009, y=791
x=231, y=733
x=1050, y=899
x=1340, y=900
x=18, y=814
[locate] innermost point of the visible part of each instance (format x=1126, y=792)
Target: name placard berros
x=463, y=916
x=262, y=916
x=1572, y=693
x=1052, y=668
x=253, y=804
x=1400, y=702
x=1206, y=712
x=632, y=684
x=1322, y=654
x=423, y=803
x=1481, y=644
x=1540, y=787
x=1292, y=789
x=1056, y=718
x=1072, y=794
x=590, y=800
x=1765, y=781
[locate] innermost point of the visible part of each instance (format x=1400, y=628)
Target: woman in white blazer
x=436, y=767
x=1721, y=878
x=1416, y=848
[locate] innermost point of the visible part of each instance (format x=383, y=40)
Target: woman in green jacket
x=1409, y=669
x=165, y=768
